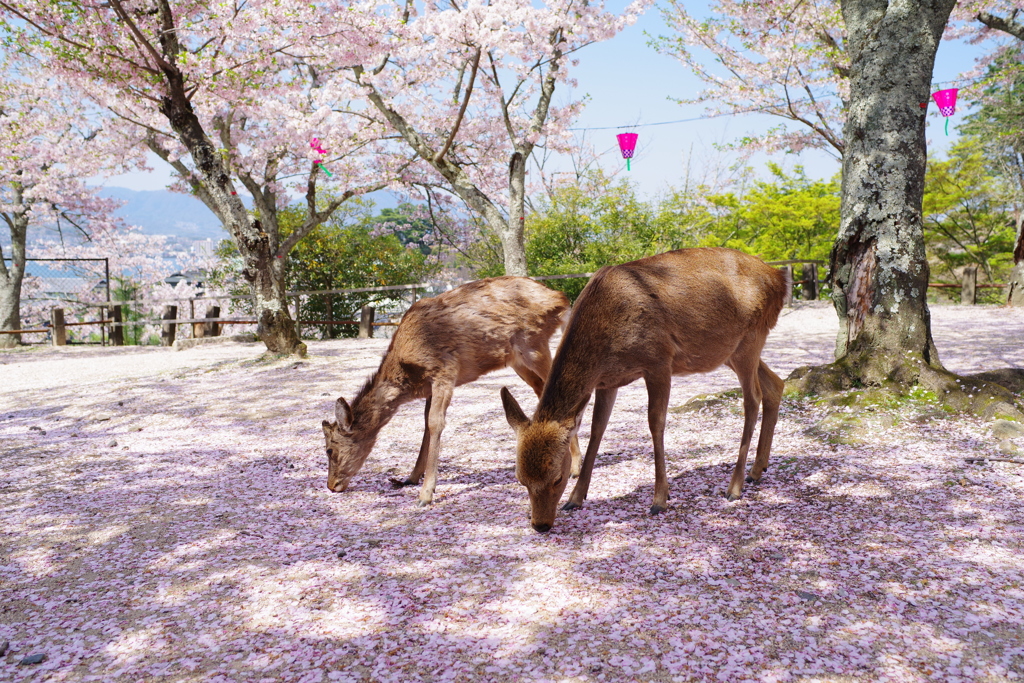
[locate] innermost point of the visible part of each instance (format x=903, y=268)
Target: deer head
x=543, y=459
x=347, y=449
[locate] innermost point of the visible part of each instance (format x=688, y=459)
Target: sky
x=632, y=87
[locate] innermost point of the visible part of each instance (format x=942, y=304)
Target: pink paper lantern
x=946, y=99
x=627, y=145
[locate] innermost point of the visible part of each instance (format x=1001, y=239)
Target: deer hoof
x=399, y=483
x=657, y=509
x=571, y=506
x=425, y=503
x=751, y=480
x=732, y=497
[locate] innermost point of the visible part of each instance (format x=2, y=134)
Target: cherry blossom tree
x=51, y=145
x=230, y=94
x=879, y=272
x=787, y=58
x=852, y=74
x=998, y=15
x=137, y=263
x=469, y=86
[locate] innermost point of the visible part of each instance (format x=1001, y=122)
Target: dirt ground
x=164, y=517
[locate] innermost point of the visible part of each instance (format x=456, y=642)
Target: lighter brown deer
x=677, y=313
x=441, y=343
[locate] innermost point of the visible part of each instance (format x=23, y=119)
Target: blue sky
x=628, y=83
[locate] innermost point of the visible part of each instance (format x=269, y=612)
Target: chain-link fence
x=79, y=286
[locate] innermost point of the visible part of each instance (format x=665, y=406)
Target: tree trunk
x=513, y=238
x=879, y=272
x=1015, y=293
x=264, y=268
x=879, y=269
x=263, y=264
x=11, y=278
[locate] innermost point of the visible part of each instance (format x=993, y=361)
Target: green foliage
x=125, y=290
x=581, y=227
x=787, y=217
x=968, y=218
x=997, y=126
x=347, y=252
x=405, y=224
x=347, y=255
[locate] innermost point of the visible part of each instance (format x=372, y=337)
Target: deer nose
x=542, y=528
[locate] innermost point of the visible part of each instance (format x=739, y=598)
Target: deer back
x=472, y=330
x=690, y=308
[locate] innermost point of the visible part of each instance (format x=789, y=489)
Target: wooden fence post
x=788, y=272
x=197, y=328
x=212, y=329
x=969, y=288
x=366, y=322
x=168, y=330
x=810, y=278
x=58, y=333
x=117, y=331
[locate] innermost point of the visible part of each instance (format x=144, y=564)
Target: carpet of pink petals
x=164, y=517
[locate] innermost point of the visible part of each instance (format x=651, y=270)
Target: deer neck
x=575, y=373
x=375, y=408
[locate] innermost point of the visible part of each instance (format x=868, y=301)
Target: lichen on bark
x=879, y=272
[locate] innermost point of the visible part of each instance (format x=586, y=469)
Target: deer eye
x=330, y=452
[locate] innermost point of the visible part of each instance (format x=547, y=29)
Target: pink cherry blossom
x=205, y=545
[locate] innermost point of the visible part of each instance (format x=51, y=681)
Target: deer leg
x=603, y=402
x=441, y=396
x=658, y=389
x=421, y=459
x=771, y=387
x=751, y=402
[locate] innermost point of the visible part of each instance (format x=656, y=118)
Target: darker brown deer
x=676, y=313
x=441, y=343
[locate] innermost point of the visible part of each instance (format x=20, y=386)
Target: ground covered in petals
x=164, y=517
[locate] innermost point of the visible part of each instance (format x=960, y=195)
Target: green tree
x=407, y=224
x=968, y=217
x=786, y=217
x=997, y=128
x=580, y=227
x=349, y=251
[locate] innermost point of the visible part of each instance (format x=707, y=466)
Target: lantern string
x=753, y=110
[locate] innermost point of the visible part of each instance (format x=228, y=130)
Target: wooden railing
x=212, y=323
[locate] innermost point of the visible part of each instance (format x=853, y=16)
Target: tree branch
x=1010, y=25
x=462, y=109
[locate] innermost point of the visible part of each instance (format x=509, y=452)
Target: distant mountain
x=161, y=212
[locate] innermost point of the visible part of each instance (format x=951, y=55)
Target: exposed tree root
x=1016, y=461
x=990, y=395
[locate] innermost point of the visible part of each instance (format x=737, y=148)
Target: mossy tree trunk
x=11, y=276
x=879, y=268
x=879, y=272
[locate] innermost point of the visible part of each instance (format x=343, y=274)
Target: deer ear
x=343, y=414
x=573, y=423
x=327, y=428
x=513, y=413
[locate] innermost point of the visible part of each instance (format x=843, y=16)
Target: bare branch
x=462, y=109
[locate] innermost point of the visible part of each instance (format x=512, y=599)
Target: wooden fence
x=212, y=324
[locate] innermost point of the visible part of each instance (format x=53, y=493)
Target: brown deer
x=441, y=343
x=676, y=313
